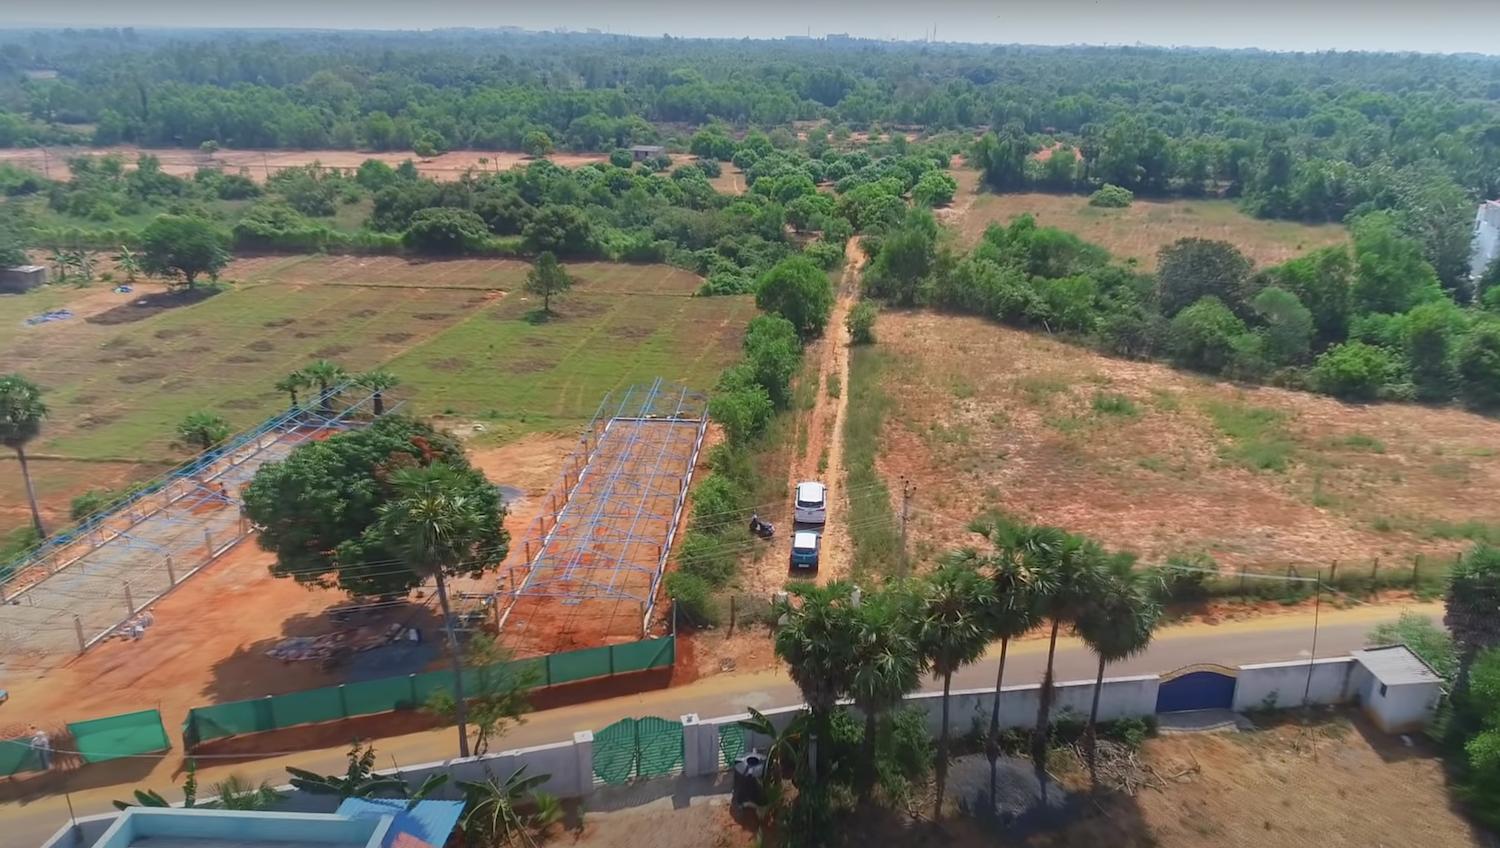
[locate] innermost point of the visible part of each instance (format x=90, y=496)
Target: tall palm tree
x=817, y=645
x=887, y=665
x=1016, y=585
x=1116, y=625
x=1473, y=610
x=1070, y=565
x=436, y=529
x=21, y=415
x=292, y=384
x=378, y=382
x=951, y=633
x=326, y=375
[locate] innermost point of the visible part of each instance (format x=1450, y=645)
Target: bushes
x=861, y=322
x=1112, y=197
x=797, y=290
x=1202, y=335
x=446, y=231
x=692, y=599
x=1355, y=371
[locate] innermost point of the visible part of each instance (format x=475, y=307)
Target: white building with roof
x=1398, y=691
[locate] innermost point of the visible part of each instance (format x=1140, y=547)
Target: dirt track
x=823, y=457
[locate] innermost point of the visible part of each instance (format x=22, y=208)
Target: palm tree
x=1015, y=586
x=1473, y=610
x=292, y=384
x=203, y=430
x=327, y=375
x=436, y=529
x=951, y=633
x=1116, y=625
x=1070, y=565
x=21, y=415
x=378, y=382
x=887, y=665
x=817, y=644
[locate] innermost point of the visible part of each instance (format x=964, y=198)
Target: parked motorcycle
x=763, y=529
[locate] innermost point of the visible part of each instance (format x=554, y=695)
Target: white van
x=812, y=503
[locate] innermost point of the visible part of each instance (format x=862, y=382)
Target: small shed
x=22, y=278
x=1395, y=688
x=642, y=152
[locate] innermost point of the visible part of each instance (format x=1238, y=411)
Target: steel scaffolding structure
x=614, y=514
x=83, y=584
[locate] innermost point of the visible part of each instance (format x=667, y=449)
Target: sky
x=1429, y=26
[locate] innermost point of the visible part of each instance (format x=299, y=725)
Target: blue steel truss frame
x=615, y=513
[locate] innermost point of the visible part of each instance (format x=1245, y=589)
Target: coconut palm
x=1070, y=565
x=378, y=382
x=292, y=384
x=1473, y=609
x=21, y=415
x=1015, y=586
x=326, y=375
x=817, y=644
x=887, y=665
x=203, y=430
x=436, y=530
x=1116, y=625
x=951, y=632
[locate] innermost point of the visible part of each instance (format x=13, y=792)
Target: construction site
x=98, y=580
x=593, y=559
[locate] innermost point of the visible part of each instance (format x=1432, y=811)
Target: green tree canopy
x=1191, y=269
x=1390, y=273
x=183, y=247
x=548, y=279
x=202, y=430
x=798, y=291
x=318, y=508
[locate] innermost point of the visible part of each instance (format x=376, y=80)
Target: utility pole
x=907, y=490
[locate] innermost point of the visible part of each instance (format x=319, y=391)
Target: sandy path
x=823, y=457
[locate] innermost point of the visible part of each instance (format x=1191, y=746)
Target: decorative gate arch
x=1197, y=687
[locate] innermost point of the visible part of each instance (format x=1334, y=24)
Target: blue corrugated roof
x=429, y=821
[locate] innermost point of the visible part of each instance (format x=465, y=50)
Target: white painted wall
x=1486, y=244
x=1403, y=708
x=1281, y=684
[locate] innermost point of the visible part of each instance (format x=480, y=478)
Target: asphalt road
x=32, y=820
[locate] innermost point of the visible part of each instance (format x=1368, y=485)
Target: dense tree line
x=1363, y=322
x=1310, y=136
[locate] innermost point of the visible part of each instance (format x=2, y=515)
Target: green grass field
x=469, y=349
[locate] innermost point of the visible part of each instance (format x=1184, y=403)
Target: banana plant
x=491, y=815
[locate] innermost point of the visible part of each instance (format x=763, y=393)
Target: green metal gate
x=637, y=748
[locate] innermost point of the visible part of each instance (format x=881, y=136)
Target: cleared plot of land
x=1157, y=461
x=261, y=163
x=120, y=374
x=58, y=481
x=1139, y=231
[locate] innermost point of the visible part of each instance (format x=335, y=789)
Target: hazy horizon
x=1440, y=26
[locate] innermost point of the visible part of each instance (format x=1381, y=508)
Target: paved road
x=1265, y=639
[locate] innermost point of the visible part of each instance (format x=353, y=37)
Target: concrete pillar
x=583, y=751
x=129, y=604
x=208, y=542
x=83, y=643
x=171, y=575
x=692, y=744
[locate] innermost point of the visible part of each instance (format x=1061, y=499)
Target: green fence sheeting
x=408, y=692
x=309, y=707
x=637, y=747
x=16, y=756
x=643, y=655
x=104, y=739
x=731, y=744
x=579, y=665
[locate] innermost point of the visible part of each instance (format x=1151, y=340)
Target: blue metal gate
x=1196, y=688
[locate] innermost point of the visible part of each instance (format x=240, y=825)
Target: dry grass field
x=1160, y=462
x=1139, y=231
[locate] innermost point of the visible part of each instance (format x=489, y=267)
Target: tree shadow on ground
x=155, y=303
x=250, y=673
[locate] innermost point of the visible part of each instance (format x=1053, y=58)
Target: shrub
x=1112, y=197
x=442, y=230
x=797, y=290
x=716, y=504
x=1479, y=365
x=690, y=598
x=826, y=256
x=706, y=557
x=1202, y=335
x=861, y=322
x=1355, y=370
